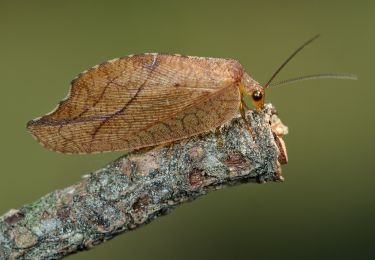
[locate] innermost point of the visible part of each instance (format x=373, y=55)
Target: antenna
x=288, y=59
x=315, y=76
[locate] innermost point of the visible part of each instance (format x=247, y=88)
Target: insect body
x=150, y=99
x=144, y=100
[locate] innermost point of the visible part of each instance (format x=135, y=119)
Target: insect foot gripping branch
x=142, y=185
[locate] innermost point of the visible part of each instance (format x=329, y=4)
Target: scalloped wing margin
x=139, y=101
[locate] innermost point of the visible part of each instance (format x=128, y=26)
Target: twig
x=138, y=187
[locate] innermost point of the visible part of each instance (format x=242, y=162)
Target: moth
x=148, y=99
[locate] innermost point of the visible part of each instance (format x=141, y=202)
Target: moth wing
x=139, y=101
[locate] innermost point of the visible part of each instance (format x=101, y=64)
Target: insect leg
x=219, y=138
x=243, y=109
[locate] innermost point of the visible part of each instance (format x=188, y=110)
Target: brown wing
x=139, y=101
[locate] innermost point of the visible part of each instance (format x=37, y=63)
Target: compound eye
x=257, y=95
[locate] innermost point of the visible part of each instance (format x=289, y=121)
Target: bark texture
x=141, y=186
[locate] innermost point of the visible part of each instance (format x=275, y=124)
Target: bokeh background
x=325, y=209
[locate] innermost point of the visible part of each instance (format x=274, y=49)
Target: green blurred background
x=325, y=209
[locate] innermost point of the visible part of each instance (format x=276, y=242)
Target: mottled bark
x=138, y=187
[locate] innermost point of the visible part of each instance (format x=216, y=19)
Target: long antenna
x=315, y=76
x=290, y=57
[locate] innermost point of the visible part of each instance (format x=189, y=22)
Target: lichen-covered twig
x=140, y=186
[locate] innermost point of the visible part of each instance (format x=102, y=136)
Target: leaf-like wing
x=139, y=101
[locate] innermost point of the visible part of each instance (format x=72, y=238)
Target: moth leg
x=219, y=137
x=169, y=148
x=243, y=115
